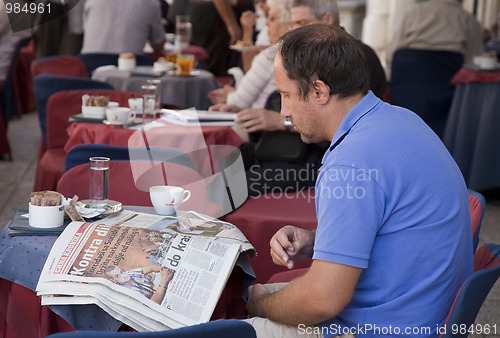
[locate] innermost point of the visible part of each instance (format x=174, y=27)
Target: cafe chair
x=96, y=60
x=213, y=329
x=473, y=292
x=45, y=85
x=62, y=65
x=81, y=154
x=477, y=205
x=420, y=81
x=60, y=106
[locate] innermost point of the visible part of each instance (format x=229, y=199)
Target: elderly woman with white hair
x=258, y=82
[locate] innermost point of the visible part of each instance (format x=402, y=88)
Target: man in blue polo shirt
x=393, y=243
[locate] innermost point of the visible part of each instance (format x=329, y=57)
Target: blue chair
x=95, y=60
x=473, y=292
x=477, y=205
x=213, y=329
x=7, y=97
x=44, y=85
x=81, y=153
x=420, y=81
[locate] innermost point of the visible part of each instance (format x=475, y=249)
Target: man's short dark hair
x=326, y=53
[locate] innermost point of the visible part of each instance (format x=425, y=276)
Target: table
x=472, y=133
x=21, y=261
x=185, y=138
x=181, y=91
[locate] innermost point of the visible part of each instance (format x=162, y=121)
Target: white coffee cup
x=135, y=105
x=46, y=216
x=119, y=115
x=126, y=64
x=488, y=62
x=166, y=199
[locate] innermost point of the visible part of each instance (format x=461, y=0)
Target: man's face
x=301, y=112
x=302, y=16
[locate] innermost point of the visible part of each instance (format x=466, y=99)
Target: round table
x=180, y=91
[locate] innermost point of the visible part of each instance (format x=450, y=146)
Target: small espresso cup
x=166, y=199
x=119, y=115
x=46, y=216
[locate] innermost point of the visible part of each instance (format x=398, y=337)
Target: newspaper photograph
x=169, y=269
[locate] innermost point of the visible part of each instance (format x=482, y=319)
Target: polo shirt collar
x=363, y=107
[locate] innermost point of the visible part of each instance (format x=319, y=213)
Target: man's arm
x=322, y=293
x=226, y=13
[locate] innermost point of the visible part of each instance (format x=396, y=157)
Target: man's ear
x=321, y=92
x=328, y=18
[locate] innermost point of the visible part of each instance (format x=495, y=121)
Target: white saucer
x=109, y=123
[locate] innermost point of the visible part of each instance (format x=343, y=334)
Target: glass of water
x=98, y=182
x=157, y=83
x=149, y=102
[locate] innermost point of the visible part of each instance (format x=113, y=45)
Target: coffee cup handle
x=186, y=197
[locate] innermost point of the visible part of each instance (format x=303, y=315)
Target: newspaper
x=151, y=272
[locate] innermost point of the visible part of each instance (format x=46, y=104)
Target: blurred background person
x=60, y=30
x=258, y=83
x=438, y=25
x=121, y=26
x=215, y=28
x=9, y=40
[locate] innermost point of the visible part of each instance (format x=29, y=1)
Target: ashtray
x=110, y=207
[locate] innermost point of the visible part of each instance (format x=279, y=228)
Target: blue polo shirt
x=390, y=199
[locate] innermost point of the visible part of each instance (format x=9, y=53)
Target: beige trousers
x=266, y=328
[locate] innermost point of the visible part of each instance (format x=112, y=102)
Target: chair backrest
x=62, y=65
x=213, y=329
x=473, y=292
x=95, y=60
x=7, y=98
x=61, y=105
x=81, y=153
x=420, y=81
x=130, y=190
x=477, y=205
x=44, y=85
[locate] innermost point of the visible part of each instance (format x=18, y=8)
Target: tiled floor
x=16, y=182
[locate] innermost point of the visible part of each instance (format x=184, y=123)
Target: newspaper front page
x=151, y=272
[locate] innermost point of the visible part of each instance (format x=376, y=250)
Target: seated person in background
x=257, y=120
x=439, y=25
x=121, y=26
x=388, y=195
x=258, y=82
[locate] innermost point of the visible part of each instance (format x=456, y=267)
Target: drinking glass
x=149, y=102
x=157, y=83
x=183, y=31
x=98, y=182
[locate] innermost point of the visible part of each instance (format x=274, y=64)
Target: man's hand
x=290, y=244
x=257, y=291
x=255, y=119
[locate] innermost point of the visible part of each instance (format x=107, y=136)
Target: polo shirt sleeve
x=350, y=209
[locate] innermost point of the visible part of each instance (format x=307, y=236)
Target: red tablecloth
x=466, y=75
x=81, y=133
